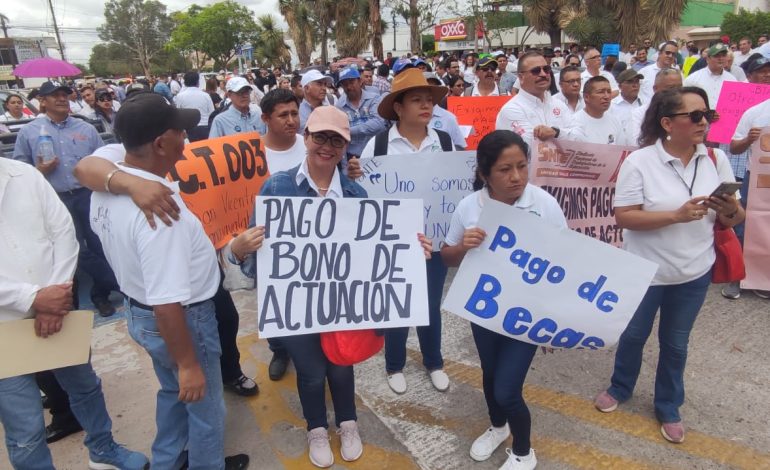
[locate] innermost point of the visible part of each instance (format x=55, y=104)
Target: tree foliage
x=746, y=24
x=421, y=15
x=140, y=26
x=302, y=28
x=270, y=48
x=111, y=59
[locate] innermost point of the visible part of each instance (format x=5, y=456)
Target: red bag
x=729, y=266
x=346, y=348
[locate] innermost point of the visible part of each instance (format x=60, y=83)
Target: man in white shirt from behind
x=595, y=124
x=711, y=77
x=192, y=97
x=622, y=106
x=593, y=61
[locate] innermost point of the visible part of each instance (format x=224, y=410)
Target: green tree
x=140, y=26
x=112, y=59
x=270, y=48
x=83, y=68
x=421, y=15
x=302, y=28
x=184, y=37
x=746, y=23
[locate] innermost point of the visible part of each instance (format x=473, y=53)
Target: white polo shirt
x=533, y=200
x=605, y=130
x=475, y=91
x=645, y=87
x=658, y=181
x=195, y=98
x=155, y=267
x=622, y=109
x=586, y=75
x=710, y=83
x=399, y=145
x=522, y=113
x=581, y=104
x=756, y=116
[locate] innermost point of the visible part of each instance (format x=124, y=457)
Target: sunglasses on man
x=538, y=70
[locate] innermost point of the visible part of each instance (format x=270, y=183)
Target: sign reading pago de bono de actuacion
x=455, y=30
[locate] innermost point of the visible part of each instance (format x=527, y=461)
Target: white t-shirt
x=283, y=160
x=606, y=130
x=756, y=116
x=155, y=266
x=657, y=181
x=622, y=110
x=586, y=75
x=195, y=98
x=710, y=83
x=533, y=199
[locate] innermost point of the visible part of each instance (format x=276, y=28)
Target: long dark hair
x=489, y=150
x=664, y=104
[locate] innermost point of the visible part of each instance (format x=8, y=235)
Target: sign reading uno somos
x=332, y=264
x=545, y=285
x=219, y=179
x=453, y=30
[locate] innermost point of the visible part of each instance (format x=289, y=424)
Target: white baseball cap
x=237, y=84
x=314, y=76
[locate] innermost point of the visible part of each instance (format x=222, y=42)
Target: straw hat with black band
x=408, y=80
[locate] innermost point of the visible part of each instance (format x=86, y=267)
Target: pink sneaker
x=673, y=432
x=605, y=403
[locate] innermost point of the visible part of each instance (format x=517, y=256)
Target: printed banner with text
x=582, y=176
x=545, y=285
x=332, y=264
x=480, y=112
x=440, y=179
x=734, y=99
x=756, y=247
x=219, y=179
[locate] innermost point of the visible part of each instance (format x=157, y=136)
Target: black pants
x=61, y=413
x=198, y=133
x=227, y=320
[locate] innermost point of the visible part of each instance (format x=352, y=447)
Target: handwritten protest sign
x=756, y=247
x=610, y=49
x=218, y=180
x=332, y=264
x=581, y=176
x=734, y=99
x=545, y=285
x=477, y=111
x=441, y=180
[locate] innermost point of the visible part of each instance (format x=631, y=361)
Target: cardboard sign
x=331, y=264
x=477, y=111
x=734, y=99
x=756, y=246
x=582, y=176
x=546, y=285
x=23, y=352
x=440, y=179
x=219, y=179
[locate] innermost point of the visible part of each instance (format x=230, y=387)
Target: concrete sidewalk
x=726, y=411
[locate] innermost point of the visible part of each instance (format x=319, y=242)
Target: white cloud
x=79, y=19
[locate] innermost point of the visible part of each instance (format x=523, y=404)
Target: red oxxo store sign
x=452, y=30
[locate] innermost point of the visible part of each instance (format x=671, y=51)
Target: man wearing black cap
x=622, y=106
x=486, y=72
x=54, y=144
x=169, y=275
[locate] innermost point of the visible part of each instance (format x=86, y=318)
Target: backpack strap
x=446, y=141
x=381, y=143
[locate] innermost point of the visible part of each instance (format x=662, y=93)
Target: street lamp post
x=393, y=12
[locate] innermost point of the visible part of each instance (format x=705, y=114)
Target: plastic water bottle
x=45, y=151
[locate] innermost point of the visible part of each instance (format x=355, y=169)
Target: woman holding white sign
x=501, y=175
x=662, y=203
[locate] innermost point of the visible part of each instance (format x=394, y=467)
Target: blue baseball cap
x=348, y=73
x=419, y=61
x=401, y=65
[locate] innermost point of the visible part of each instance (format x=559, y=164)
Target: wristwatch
x=556, y=129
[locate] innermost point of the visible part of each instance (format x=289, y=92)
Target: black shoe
x=237, y=462
x=46, y=402
x=57, y=432
x=278, y=365
x=243, y=386
x=105, y=307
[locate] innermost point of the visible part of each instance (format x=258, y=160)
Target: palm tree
x=301, y=28
x=271, y=46
x=351, y=26
x=376, y=21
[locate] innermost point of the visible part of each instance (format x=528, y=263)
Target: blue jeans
x=21, y=413
x=429, y=335
x=199, y=426
x=91, y=256
x=313, y=372
x=679, y=306
x=504, y=365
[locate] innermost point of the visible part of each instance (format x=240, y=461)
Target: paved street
x=726, y=412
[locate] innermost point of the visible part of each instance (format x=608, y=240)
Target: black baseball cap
x=145, y=116
x=48, y=88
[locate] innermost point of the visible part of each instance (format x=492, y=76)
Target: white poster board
x=546, y=285
x=440, y=179
x=332, y=264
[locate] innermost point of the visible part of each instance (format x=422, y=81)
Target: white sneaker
x=351, y=447
x=440, y=380
x=514, y=462
x=397, y=382
x=319, y=450
x=485, y=445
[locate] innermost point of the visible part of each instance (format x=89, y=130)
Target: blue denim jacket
x=284, y=183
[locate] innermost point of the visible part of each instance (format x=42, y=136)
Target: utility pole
x=56, y=30
x=394, y=29
x=4, y=26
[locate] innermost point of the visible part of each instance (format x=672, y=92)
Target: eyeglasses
x=574, y=81
x=538, y=70
x=594, y=57
x=321, y=138
x=697, y=116
x=488, y=68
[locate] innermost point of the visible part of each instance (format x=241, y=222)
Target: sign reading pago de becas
x=454, y=30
